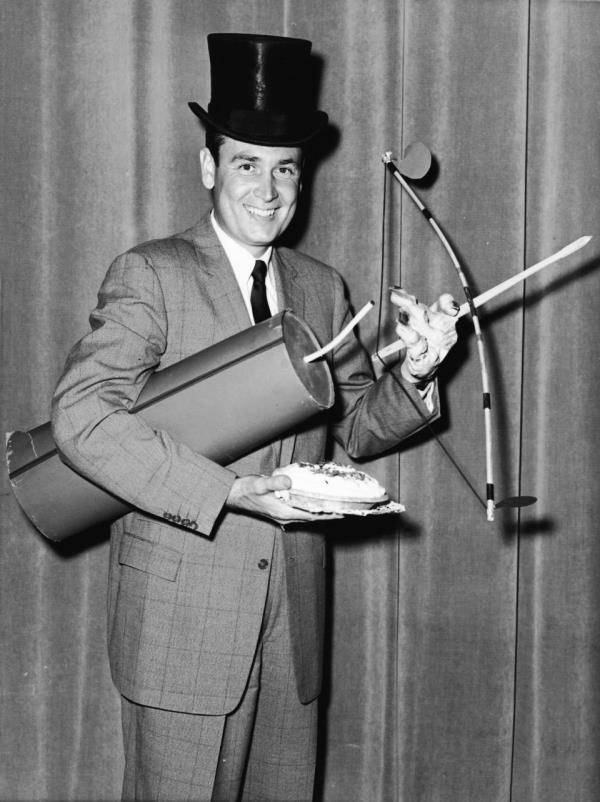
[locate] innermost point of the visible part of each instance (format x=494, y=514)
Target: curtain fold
x=557, y=707
x=462, y=655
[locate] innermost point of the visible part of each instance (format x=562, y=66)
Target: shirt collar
x=241, y=261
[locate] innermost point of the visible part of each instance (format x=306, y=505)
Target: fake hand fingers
x=411, y=312
x=427, y=332
x=422, y=357
x=443, y=316
x=417, y=320
x=417, y=345
x=445, y=304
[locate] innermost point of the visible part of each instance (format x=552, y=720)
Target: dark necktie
x=258, y=294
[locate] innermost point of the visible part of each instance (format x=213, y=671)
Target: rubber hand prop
x=428, y=333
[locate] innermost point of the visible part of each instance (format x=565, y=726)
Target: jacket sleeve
x=371, y=416
x=103, y=377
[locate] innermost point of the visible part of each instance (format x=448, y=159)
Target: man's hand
x=255, y=495
x=427, y=332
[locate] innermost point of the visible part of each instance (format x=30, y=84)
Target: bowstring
x=446, y=450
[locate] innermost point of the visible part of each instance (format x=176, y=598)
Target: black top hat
x=261, y=89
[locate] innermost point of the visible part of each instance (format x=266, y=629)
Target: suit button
x=263, y=563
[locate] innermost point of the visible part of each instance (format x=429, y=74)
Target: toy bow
x=415, y=165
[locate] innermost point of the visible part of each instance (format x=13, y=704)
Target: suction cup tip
x=516, y=501
x=416, y=161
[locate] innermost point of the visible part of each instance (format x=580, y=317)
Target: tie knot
x=260, y=271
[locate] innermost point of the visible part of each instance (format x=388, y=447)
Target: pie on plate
x=330, y=487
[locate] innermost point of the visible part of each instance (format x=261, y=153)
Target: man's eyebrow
x=249, y=157
x=246, y=157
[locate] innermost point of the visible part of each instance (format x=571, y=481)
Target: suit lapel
x=219, y=281
x=290, y=294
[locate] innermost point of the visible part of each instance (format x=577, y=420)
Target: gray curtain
x=463, y=655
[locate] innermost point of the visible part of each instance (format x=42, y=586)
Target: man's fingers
x=313, y=517
x=267, y=484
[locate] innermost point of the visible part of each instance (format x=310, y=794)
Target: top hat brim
x=264, y=128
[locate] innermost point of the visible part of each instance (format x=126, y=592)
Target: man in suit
x=216, y=585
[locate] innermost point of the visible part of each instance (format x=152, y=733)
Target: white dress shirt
x=242, y=264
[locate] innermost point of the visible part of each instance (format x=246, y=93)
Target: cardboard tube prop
x=223, y=402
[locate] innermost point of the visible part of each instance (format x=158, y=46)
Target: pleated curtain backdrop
x=463, y=656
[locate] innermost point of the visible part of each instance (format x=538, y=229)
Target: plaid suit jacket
x=185, y=605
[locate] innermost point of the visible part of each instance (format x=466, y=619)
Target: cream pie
x=330, y=487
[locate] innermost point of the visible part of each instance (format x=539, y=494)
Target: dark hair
x=213, y=141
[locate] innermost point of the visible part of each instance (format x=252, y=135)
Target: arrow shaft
x=524, y=274
x=486, y=296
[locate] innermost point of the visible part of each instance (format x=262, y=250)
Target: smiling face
x=255, y=189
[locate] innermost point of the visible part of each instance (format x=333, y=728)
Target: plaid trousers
x=264, y=750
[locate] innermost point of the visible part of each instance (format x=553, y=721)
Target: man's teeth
x=260, y=212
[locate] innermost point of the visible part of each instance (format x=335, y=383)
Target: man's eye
x=287, y=172
x=247, y=167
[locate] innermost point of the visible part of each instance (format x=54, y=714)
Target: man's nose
x=266, y=189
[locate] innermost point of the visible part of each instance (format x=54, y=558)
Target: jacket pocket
x=153, y=558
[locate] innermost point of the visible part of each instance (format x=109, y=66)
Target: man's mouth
x=264, y=214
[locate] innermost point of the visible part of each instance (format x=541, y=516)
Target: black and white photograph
x=299, y=323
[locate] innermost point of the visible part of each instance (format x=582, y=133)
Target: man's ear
x=207, y=168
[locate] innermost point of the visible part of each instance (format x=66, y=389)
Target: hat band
x=253, y=121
